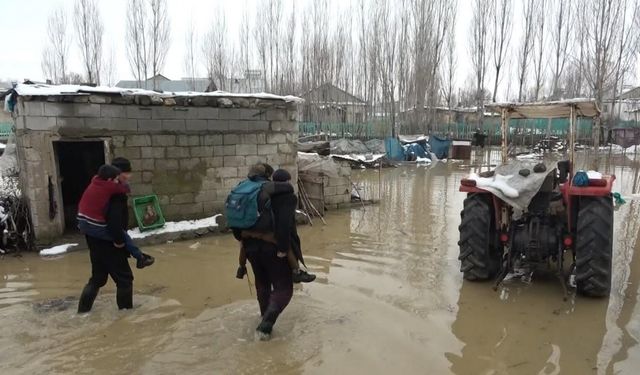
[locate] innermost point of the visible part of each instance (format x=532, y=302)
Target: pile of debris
x=15, y=226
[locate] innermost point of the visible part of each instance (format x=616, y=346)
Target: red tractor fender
x=597, y=188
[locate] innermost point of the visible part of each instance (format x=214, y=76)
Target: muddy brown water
x=389, y=299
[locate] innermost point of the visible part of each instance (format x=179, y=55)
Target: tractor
x=552, y=219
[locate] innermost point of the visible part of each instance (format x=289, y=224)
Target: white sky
x=23, y=28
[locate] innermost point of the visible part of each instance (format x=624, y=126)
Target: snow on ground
x=56, y=250
x=370, y=158
x=173, y=227
x=529, y=156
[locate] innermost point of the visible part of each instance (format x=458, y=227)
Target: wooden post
x=572, y=138
x=504, y=126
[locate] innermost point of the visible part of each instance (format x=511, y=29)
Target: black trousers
x=273, y=280
x=107, y=260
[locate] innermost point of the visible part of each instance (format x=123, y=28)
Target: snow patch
x=55, y=90
x=593, y=175
x=174, y=227
x=56, y=250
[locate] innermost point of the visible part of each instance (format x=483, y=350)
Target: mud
x=389, y=299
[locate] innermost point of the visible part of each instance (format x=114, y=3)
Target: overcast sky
x=23, y=28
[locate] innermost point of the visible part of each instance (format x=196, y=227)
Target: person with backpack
x=285, y=234
x=248, y=207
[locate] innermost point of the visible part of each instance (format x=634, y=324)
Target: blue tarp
x=416, y=149
x=394, y=149
x=440, y=146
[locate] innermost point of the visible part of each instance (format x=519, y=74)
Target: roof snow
x=56, y=90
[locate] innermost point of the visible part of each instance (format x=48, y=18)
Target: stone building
x=188, y=150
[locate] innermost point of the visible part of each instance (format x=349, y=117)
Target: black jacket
x=117, y=218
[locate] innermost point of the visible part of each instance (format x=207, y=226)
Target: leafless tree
x=75, y=78
x=191, y=55
x=404, y=55
x=421, y=12
x=626, y=50
x=48, y=64
x=217, y=53
x=526, y=46
x=540, y=46
x=479, y=50
x=55, y=55
x=89, y=30
x=500, y=37
x=110, y=71
x=448, y=70
x=159, y=37
x=245, y=55
x=387, y=26
x=611, y=23
x=441, y=28
x=561, y=34
x=136, y=42
x=261, y=39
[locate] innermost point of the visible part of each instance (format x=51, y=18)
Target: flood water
x=389, y=299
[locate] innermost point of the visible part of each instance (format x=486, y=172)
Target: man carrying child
x=103, y=218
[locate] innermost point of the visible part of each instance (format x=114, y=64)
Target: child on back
x=93, y=207
x=286, y=235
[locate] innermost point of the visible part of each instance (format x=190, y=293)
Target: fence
x=345, y=130
x=521, y=131
x=6, y=129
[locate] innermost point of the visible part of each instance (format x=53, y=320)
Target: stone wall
x=188, y=155
x=337, y=190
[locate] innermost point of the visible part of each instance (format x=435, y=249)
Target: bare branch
x=500, y=37
x=526, y=45
x=89, y=30
x=159, y=34
x=190, y=57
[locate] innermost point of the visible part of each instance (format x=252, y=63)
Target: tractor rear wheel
x=594, y=239
x=478, y=256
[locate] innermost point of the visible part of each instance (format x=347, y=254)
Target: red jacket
x=94, y=201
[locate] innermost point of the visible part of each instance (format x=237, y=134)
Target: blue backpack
x=241, y=207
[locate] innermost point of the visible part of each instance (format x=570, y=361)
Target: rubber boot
x=124, y=298
x=89, y=294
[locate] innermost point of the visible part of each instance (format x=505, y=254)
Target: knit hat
x=122, y=164
x=108, y=172
x=281, y=175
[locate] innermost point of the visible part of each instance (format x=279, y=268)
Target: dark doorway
x=78, y=162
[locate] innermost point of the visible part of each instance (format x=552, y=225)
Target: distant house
x=624, y=105
x=252, y=82
x=330, y=104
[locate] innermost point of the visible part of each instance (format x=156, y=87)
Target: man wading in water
x=110, y=258
x=271, y=269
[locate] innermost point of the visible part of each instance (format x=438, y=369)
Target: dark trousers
x=107, y=260
x=274, y=285
x=103, y=234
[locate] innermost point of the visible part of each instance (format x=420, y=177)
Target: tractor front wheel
x=594, y=239
x=479, y=259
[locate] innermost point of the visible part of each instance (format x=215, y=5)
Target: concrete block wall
x=337, y=190
x=190, y=156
